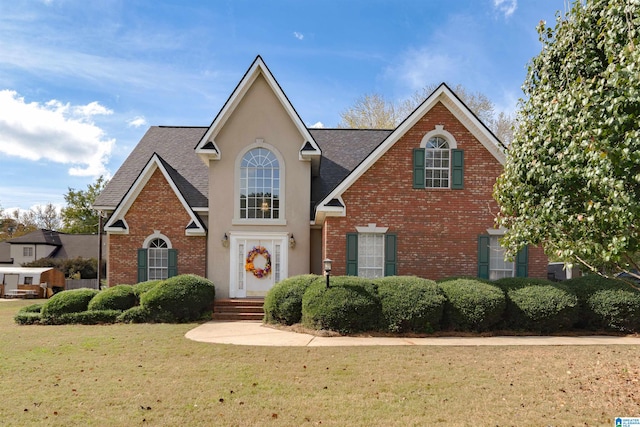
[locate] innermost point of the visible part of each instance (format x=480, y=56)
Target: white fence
x=81, y=283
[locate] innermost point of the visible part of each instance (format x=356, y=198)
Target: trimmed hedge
x=93, y=317
x=137, y=314
x=143, y=287
x=351, y=304
x=618, y=309
x=182, y=298
x=472, y=305
x=607, y=303
x=120, y=297
x=538, y=305
x=410, y=304
x=283, y=302
x=71, y=301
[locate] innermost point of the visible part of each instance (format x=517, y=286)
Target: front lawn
x=149, y=374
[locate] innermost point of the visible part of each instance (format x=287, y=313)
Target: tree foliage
x=79, y=216
x=572, y=177
x=373, y=111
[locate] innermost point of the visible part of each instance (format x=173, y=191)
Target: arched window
x=158, y=254
x=156, y=259
x=259, y=185
x=437, y=163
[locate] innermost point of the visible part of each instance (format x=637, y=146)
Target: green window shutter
x=173, y=263
x=142, y=265
x=457, y=169
x=352, y=254
x=522, y=262
x=390, y=252
x=483, y=257
x=418, y=168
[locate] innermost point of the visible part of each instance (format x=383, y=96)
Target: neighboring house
x=258, y=196
x=48, y=244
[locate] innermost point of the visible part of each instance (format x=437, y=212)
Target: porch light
x=292, y=242
x=225, y=241
x=327, y=269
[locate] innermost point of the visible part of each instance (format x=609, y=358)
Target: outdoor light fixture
x=225, y=241
x=292, y=242
x=327, y=269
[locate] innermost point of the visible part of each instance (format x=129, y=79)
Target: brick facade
x=156, y=208
x=437, y=229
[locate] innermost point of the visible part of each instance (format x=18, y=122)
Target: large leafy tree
x=78, y=216
x=572, y=177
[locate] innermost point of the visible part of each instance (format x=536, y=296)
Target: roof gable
x=117, y=222
x=207, y=148
x=444, y=95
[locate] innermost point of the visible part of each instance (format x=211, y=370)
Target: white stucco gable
x=208, y=149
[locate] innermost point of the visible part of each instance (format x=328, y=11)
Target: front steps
x=238, y=309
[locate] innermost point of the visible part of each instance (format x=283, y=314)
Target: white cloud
x=56, y=132
x=137, y=122
x=317, y=125
x=417, y=67
x=506, y=6
x=298, y=35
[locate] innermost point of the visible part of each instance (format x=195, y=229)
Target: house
x=29, y=281
x=258, y=196
x=48, y=244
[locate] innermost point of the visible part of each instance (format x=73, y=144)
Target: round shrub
x=472, y=305
x=144, y=287
x=538, y=305
x=283, y=302
x=410, y=304
x=349, y=305
x=184, y=298
x=617, y=309
x=585, y=288
x=137, y=314
x=121, y=297
x=71, y=301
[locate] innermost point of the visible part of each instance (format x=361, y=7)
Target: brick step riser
x=238, y=310
x=236, y=316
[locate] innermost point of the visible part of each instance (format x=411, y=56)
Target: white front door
x=258, y=261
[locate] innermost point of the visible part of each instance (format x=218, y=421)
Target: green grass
x=150, y=375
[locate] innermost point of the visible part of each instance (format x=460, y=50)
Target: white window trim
x=439, y=131
x=497, y=233
x=156, y=235
x=451, y=141
x=372, y=228
x=259, y=143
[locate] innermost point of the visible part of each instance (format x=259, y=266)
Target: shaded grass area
x=149, y=374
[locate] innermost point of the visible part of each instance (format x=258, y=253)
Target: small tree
x=79, y=216
x=572, y=178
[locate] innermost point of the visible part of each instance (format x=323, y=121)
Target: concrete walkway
x=257, y=334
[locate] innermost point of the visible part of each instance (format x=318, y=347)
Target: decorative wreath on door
x=249, y=266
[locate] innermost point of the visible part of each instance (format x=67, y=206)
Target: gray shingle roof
x=175, y=145
x=42, y=237
x=342, y=151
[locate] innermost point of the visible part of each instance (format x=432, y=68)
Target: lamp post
x=327, y=269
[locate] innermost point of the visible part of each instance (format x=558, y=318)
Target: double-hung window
x=492, y=262
x=371, y=252
x=438, y=163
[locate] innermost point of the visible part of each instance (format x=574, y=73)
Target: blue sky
x=81, y=81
